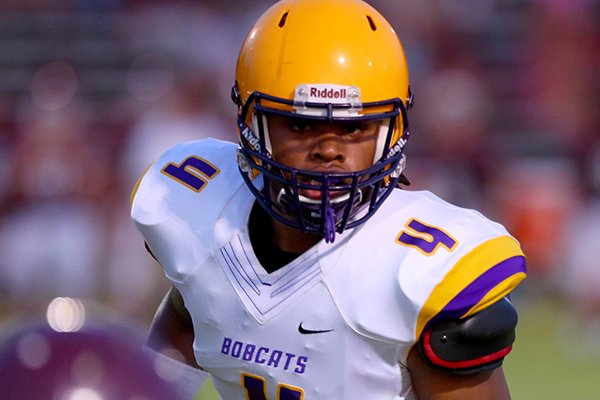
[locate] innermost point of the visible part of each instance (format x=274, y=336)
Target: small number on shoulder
x=425, y=238
x=194, y=172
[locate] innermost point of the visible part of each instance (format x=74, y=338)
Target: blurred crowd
x=506, y=120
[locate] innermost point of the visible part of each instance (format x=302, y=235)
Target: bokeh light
x=66, y=314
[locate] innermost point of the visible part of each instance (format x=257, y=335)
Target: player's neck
x=293, y=240
x=276, y=245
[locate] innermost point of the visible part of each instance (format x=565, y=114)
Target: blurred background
x=506, y=120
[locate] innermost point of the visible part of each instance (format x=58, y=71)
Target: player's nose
x=328, y=147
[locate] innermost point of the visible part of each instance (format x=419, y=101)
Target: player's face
x=321, y=146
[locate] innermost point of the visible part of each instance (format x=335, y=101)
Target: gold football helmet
x=326, y=60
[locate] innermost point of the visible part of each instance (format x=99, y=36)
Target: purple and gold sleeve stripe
x=479, y=279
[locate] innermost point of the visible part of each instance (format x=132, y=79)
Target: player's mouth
x=312, y=192
x=313, y=189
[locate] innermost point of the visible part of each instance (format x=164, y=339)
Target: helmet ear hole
x=282, y=20
x=371, y=23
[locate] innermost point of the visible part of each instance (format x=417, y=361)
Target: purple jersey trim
x=474, y=292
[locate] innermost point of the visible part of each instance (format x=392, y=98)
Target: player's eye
x=300, y=125
x=354, y=128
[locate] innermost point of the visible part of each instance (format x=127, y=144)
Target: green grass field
x=542, y=366
x=550, y=360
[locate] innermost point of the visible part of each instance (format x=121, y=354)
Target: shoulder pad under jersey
x=433, y=261
x=179, y=199
x=474, y=344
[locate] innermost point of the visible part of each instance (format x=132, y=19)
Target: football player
x=300, y=270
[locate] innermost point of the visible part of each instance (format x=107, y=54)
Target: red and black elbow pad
x=474, y=344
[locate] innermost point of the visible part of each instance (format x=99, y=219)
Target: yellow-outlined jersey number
x=193, y=172
x=425, y=238
x=256, y=389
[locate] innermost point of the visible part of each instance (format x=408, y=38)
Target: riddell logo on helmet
x=327, y=93
x=330, y=93
x=251, y=138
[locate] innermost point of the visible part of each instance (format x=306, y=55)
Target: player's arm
x=172, y=328
x=462, y=359
x=435, y=384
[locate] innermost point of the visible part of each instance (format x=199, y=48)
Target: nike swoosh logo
x=311, y=332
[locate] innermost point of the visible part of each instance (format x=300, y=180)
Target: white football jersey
x=338, y=321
